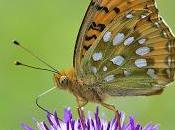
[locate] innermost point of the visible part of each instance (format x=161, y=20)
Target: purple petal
x=45, y=126
x=102, y=127
x=67, y=125
x=116, y=126
x=138, y=127
x=109, y=124
x=56, y=118
x=97, y=110
x=156, y=127
x=42, y=126
x=97, y=120
x=151, y=127
x=72, y=124
x=26, y=127
x=49, y=119
x=88, y=124
x=67, y=115
x=79, y=124
x=92, y=122
x=131, y=121
x=113, y=121
x=122, y=118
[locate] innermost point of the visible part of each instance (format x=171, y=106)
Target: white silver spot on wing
x=109, y=78
x=127, y=73
x=142, y=41
x=143, y=16
x=94, y=69
x=169, y=47
x=97, y=56
x=118, y=60
x=118, y=38
x=105, y=68
x=169, y=61
x=142, y=51
x=129, y=16
x=107, y=36
x=128, y=41
x=165, y=34
x=141, y=63
x=157, y=24
x=151, y=73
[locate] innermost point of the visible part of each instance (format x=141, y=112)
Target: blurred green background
x=49, y=28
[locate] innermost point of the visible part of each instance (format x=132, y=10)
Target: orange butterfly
x=124, y=48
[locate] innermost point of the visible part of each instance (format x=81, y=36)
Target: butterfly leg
x=81, y=103
x=112, y=108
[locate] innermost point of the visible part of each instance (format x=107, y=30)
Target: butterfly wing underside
x=125, y=48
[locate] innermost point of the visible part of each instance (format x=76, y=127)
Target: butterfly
x=123, y=48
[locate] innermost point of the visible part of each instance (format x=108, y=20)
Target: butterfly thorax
x=67, y=80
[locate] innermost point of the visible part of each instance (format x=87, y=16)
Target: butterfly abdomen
x=90, y=93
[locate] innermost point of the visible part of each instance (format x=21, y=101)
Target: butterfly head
x=64, y=79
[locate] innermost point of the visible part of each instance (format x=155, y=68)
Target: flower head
x=90, y=123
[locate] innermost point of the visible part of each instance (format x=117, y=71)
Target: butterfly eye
x=64, y=80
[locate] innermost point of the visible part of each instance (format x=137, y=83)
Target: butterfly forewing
x=125, y=47
x=99, y=14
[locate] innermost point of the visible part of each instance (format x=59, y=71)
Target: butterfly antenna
x=33, y=67
x=41, y=95
x=38, y=58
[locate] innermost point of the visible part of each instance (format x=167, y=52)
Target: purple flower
x=90, y=123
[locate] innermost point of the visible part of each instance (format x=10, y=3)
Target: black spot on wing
x=99, y=27
x=87, y=47
x=103, y=8
x=117, y=10
x=93, y=3
x=88, y=38
x=99, y=8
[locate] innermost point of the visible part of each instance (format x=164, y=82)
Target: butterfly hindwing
x=129, y=49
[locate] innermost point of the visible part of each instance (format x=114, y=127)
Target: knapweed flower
x=90, y=123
